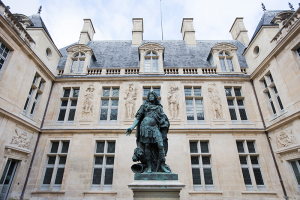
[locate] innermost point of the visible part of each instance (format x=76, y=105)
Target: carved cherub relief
x=130, y=99
x=216, y=101
x=173, y=102
x=88, y=104
x=21, y=139
x=285, y=139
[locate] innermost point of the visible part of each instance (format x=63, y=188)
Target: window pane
x=5, y=171
x=223, y=67
x=279, y=102
x=32, y=109
x=106, y=92
x=108, y=179
x=147, y=65
x=74, y=103
x=206, y=160
x=54, y=147
x=240, y=147
x=271, y=78
x=115, y=92
x=113, y=114
x=157, y=91
x=265, y=83
x=103, y=115
x=251, y=147
x=200, y=114
x=146, y=91
x=98, y=160
x=80, y=66
x=198, y=103
x=230, y=65
x=296, y=171
x=61, y=116
x=109, y=160
x=59, y=175
x=51, y=160
x=240, y=102
x=197, y=92
x=246, y=176
x=243, y=160
x=65, y=147
x=243, y=114
x=73, y=66
x=204, y=147
x=254, y=159
x=71, y=115
x=26, y=103
x=237, y=92
x=66, y=93
x=97, y=176
x=189, y=102
x=208, y=176
x=75, y=92
x=194, y=147
x=273, y=107
x=48, y=176
x=62, y=160
x=114, y=102
x=104, y=102
x=190, y=114
x=258, y=177
x=110, y=147
x=196, y=176
x=232, y=114
x=195, y=160
x=188, y=91
x=155, y=65
x=64, y=102
x=230, y=102
x=228, y=92
x=100, y=147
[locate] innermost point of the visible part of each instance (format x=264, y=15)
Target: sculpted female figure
x=151, y=135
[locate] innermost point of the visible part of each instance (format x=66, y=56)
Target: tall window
x=295, y=165
x=226, y=62
x=236, y=104
x=68, y=103
x=103, y=169
x=34, y=93
x=4, y=52
x=194, y=104
x=201, y=165
x=151, y=62
x=109, y=105
x=146, y=90
x=249, y=160
x=298, y=52
x=272, y=93
x=77, y=63
x=55, y=166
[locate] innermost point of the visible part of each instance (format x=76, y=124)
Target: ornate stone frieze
x=224, y=47
x=216, y=101
x=173, y=102
x=152, y=82
x=130, y=101
x=232, y=82
x=151, y=47
x=285, y=139
x=72, y=83
x=22, y=139
x=87, y=109
x=192, y=82
x=111, y=82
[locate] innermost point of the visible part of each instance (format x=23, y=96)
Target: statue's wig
x=156, y=102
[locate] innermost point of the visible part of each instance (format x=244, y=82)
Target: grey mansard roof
x=120, y=54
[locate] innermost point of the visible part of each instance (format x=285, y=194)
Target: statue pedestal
x=155, y=186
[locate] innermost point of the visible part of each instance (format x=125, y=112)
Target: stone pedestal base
x=163, y=189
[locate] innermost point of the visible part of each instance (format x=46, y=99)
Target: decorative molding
x=192, y=82
x=224, y=47
x=111, y=82
x=151, y=82
x=151, y=47
x=232, y=82
x=72, y=83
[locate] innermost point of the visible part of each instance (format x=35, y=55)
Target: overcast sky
x=112, y=19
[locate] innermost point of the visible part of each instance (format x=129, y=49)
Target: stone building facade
x=233, y=106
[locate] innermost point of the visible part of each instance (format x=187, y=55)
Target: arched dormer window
x=77, y=62
x=151, y=58
x=226, y=61
x=151, y=62
x=282, y=17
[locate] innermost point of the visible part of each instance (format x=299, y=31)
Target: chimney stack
x=188, y=31
x=87, y=32
x=239, y=32
x=137, y=31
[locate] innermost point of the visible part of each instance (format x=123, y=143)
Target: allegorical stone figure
x=173, y=102
x=130, y=97
x=151, y=137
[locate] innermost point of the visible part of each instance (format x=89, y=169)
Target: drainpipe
x=270, y=146
x=36, y=144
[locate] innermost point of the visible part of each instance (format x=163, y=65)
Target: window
x=236, y=104
x=272, y=94
x=146, y=90
x=201, y=165
x=295, y=165
x=226, y=62
x=298, y=52
x=68, y=103
x=103, y=169
x=55, y=166
x=77, y=63
x=35, y=91
x=151, y=62
x=249, y=160
x=109, y=105
x=4, y=52
x=194, y=104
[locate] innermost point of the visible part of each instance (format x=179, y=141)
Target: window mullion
x=237, y=111
x=201, y=172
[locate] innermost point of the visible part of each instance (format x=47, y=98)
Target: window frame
x=152, y=88
x=298, y=167
x=2, y=56
x=194, y=97
x=110, y=107
x=151, y=58
x=235, y=98
x=79, y=58
x=68, y=107
x=226, y=56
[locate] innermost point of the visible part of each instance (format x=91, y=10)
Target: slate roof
x=120, y=54
x=38, y=23
x=266, y=20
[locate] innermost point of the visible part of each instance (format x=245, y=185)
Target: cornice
x=284, y=121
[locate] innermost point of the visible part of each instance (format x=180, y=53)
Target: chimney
x=188, y=31
x=239, y=32
x=87, y=32
x=137, y=31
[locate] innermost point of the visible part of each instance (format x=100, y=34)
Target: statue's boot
x=149, y=166
x=162, y=160
x=164, y=168
x=148, y=157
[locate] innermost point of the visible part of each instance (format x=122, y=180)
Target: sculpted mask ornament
x=216, y=102
x=130, y=101
x=173, y=102
x=285, y=139
x=88, y=104
x=21, y=139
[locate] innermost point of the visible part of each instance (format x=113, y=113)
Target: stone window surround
x=73, y=50
x=146, y=48
x=151, y=87
x=231, y=50
x=1, y=54
x=109, y=107
x=194, y=97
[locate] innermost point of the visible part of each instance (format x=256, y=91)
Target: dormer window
x=151, y=62
x=226, y=62
x=77, y=63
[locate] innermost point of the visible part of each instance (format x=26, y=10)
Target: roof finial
x=263, y=6
x=291, y=6
x=40, y=10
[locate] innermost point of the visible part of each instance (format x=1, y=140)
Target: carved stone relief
x=130, y=101
x=216, y=101
x=285, y=139
x=87, y=109
x=21, y=139
x=72, y=83
x=173, y=102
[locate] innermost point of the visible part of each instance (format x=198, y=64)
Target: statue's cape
x=160, y=117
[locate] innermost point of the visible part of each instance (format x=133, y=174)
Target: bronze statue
x=151, y=137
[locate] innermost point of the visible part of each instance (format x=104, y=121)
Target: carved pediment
x=79, y=48
x=224, y=47
x=151, y=47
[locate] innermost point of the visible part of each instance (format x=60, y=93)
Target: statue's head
x=152, y=97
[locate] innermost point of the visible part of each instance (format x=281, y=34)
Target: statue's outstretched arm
x=129, y=130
